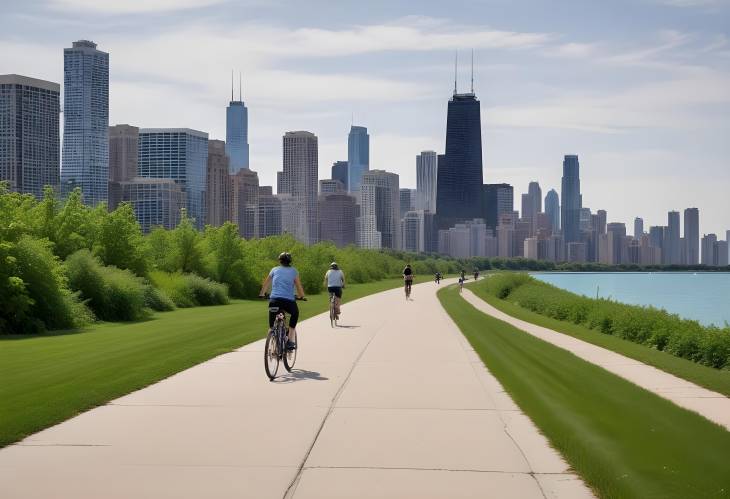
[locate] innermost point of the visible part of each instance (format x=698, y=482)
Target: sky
x=639, y=89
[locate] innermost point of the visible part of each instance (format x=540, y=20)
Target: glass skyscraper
x=85, y=158
x=339, y=172
x=358, y=156
x=570, y=194
x=237, y=135
x=426, y=174
x=180, y=154
x=552, y=209
x=29, y=133
x=460, y=178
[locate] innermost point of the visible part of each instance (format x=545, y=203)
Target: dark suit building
x=498, y=199
x=572, y=203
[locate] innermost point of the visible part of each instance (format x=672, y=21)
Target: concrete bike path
x=394, y=404
x=712, y=405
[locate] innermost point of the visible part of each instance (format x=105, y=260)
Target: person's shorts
x=337, y=290
x=288, y=306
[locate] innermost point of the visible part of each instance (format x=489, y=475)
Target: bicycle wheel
x=271, y=355
x=290, y=357
x=333, y=321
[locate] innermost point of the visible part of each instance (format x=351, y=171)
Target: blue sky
x=639, y=89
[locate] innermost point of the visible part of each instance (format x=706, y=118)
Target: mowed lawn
x=47, y=379
x=713, y=379
x=623, y=440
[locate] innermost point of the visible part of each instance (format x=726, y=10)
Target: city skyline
x=667, y=71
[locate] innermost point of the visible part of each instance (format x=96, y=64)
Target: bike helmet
x=333, y=266
x=285, y=259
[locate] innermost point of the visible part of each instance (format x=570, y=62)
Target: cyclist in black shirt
x=408, y=279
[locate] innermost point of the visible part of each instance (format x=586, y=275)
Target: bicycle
x=275, y=349
x=333, y=310
x=408, y=289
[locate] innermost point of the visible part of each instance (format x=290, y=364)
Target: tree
x=188, y=256
x=120, y=241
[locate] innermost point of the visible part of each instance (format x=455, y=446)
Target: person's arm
x=343, y=279
x=326, y=275
x=298, y=286
x=265, y=286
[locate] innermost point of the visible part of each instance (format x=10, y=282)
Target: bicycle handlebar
x=266, y=297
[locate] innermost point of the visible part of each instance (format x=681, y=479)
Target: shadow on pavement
x=300, y=375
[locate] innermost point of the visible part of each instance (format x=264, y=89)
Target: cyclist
x=408, y=278
x=461, y=284
x=476, y=274
x=463, y=275
x=285, y=286
x=334, y=279
x=438, y=277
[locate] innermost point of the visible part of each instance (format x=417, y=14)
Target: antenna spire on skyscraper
x=240, y=86
x=231, y=85
x=472, y=70
x=456, y=64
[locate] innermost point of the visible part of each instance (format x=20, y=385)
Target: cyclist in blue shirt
x=285, y=289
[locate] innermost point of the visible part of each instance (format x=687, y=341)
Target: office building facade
x=219, y=189
x=337, y=218
x=244, y=202
x=692, y=236
x=426, y=180
x=85, y=156
x=379, y=221
x=571, y=199
x=29, y=134
x=552, y=208
x=123, y=152
x=180, y=154
x=299, y=179
x=157, y=202
x=237, y=134
x=358, y=157
x=339, y=172
x=498, y=199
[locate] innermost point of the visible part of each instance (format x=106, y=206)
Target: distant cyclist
x=476, y=274
x=408, y=279
x=438, y=277
x=285, y=286
x=461, y=284
x=334, y=279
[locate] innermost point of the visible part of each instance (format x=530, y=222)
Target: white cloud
x=129, y=6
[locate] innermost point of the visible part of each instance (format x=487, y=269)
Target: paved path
x=712, y=405
x=375, y=409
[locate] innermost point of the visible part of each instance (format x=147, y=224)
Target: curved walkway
x=394, y=404
x=712, y=405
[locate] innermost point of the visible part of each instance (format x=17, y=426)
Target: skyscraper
x=709, y=249
x=337, y=221
x=407, y=201
x=460, y=178
x=331, y=186
x=552, y=208
x=299, y=179
x=237, y=132
x=86, y=121
x=269, y=213
x=123, y=152
x=674, y=247
x=692, y=236
x=219, y=186
x=379, y=221
x=638, y=227
x=339, y=172
x=358, y=157
x=498, y=199
x=245, y=201
x=571, y=199
x=182, y=155
x=29, y=133
x=532, y=204
x=157, y=202
x=426, y=175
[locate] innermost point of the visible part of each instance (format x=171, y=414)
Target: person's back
x=335, y=278
x=282, y=282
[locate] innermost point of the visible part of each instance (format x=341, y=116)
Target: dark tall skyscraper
x=339, y=172
x=459, y=180
x=570, y=209
x=358, y=156
x=237, y=132
x=672, y=235
x=552, y=209
x=692, y=236
x=498, y=199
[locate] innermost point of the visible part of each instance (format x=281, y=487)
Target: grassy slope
x=47, y=379
x=624, y=441
x=712, y=379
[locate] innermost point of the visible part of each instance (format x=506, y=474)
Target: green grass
x=50, y=378
x=624, y=441
x=708, y=377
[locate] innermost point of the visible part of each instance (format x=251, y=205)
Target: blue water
x=702, y=296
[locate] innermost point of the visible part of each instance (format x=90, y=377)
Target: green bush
x=157, y=300
x=648, y=326
x=111, y=293
x=189, y=290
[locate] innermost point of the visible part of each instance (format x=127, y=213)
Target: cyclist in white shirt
x=334, y=279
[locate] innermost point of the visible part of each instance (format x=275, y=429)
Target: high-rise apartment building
x=692, y=236
x=358, y=157
x=123, y=152
x=552, y=208
x=571, y=199
x=245, y=201
x=331, y=186
x=532, y=204
x=339, y=172
x=157, y=202
x=85, y=157
x=459, y=181
x=29, y=133
x=709, y=249
x=426, y=180
x=498, y=199
x=407, y=201
x=337, y=218
x=299, y=179
x=673, y=235
x=219, y=185
x=379, y=221
x=638, y=227
x=237, y=133
x=269, y=210
x=180, y=154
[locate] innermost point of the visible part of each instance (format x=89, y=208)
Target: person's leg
x=293, y=310
x=338, y=300
x=272, y=315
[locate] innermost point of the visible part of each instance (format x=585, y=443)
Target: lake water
x=702, y=296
